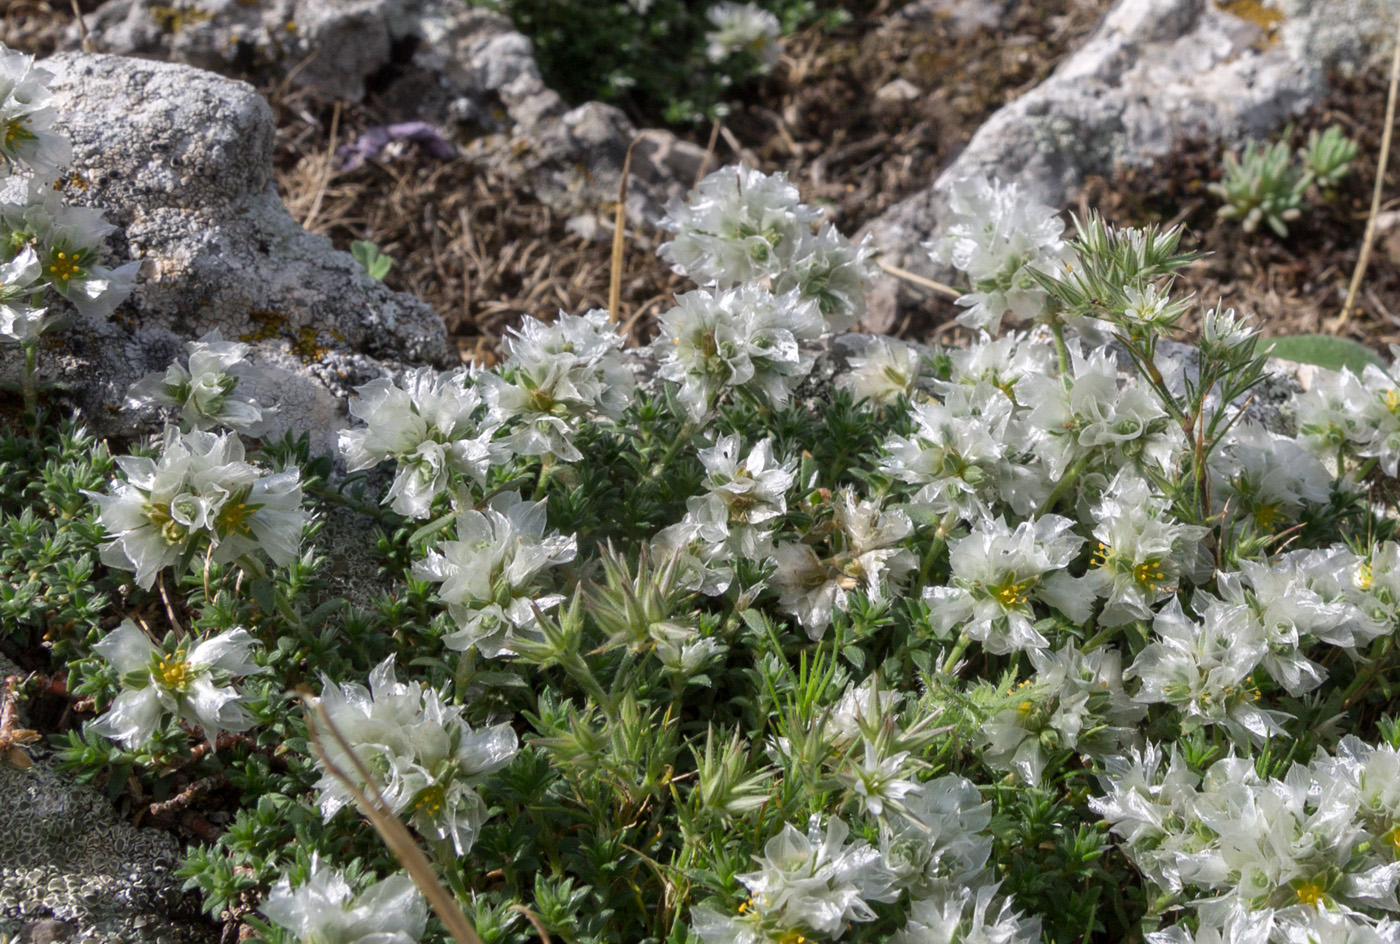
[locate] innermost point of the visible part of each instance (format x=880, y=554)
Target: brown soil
x=480, y=249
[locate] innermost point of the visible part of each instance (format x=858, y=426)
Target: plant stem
x=1066, y=480
x=1061, y=349
x=959, y=648
x=31, y=390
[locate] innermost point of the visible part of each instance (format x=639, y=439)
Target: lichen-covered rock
x=181, y=161
x=435, y=60
x=1154, y=73
x=65, y=855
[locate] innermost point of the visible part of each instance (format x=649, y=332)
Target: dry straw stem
x=1366, y=241
x=390, y=828
x=619, y=244
x=327, y=169
x=82, y=28
x=919, y=280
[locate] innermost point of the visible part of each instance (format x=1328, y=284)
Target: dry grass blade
x=82, y=28
x=619, y=244
x=919, y=280
x=390, y=828
x=1366, y=241
x=535, y=920
x=327, y=169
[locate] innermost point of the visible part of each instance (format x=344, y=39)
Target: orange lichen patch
x=1254, y=11
x=270, y=324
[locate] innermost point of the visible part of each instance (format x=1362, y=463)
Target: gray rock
x=1154, y=73
x=67, y=859
x=180, y=160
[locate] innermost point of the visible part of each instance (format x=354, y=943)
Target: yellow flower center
x=1311, y=894
x=64, y=267
x=15, y=131
x=1267, y=514
x=233, y=518
x=1149, y=574
x=1363, y=577
x=174, y=671
x=1012, y=594
x=1391, y=398
x=793, y=937
x=1393, y=838
x=431, y=800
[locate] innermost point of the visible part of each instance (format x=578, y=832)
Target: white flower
x=426, y=760
x=965, y=916
x=831, y=271
x=205, y=391
x=19, y=319
x=997, y=572
x=955, y=454
x=1266, y=479
x=940, y=838
x=819, y=881
x=866, y=554
x=1225, y=336
x=1337, y=413
x=881, y=779
x=174, y=680
x=744, y=28
x=433, y=425
x=488, y=574
x=886, y=371
x=1205, y=670
x=325, y=910
x=741, y=337
x=1090, y=412
x=997, y=235
x=26, y=120
x=556, y=375
x=1141, y=552
x=740, y=225
x=741, y=496
x=68, y=242
x=198, y=491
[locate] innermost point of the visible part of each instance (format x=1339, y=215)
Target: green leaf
x=367, y=254
x=1326, y=351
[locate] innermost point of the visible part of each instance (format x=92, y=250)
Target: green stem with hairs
x=959, y=648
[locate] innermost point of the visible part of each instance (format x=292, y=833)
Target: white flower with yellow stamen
x=188, y=682
x=998, y=572
x=324, y=909
x=426, y=760
x=26, y=119
x=205, y=387
x=886, y=370
x=198, y=496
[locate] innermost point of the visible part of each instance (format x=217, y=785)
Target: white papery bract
x=740, y=337
x=432, y=424
x=967, y=916
x=739, y=225
x=996, y=572
x=555, y=376
x=867, y=555
x=819, y=880
x=955, y=454
x=324, y=909
x=1205, y=670
x=1090, y=413
x=940, y=838
x=426, y=760
x=1075, y=700
x=27, y=140
x=997, y=235
x=885, y=371
x=19, y=319
x=488, y=574
x=743, y=28
x=198, y=494
x=1266, y=480
x=831, y=271
x=1142, y=550
x=205, y=388
x=190, y=683
x=68, y=241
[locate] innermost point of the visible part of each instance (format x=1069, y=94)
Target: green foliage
x=1265, y=184
x=648, y=56
x=375, y=263
x=1324, y=350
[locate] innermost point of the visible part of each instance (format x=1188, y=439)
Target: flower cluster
x=205, y=388
x=325, y=909
x=427, y=761
x=45, y=245
x=199, y=496
x=174, y=679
